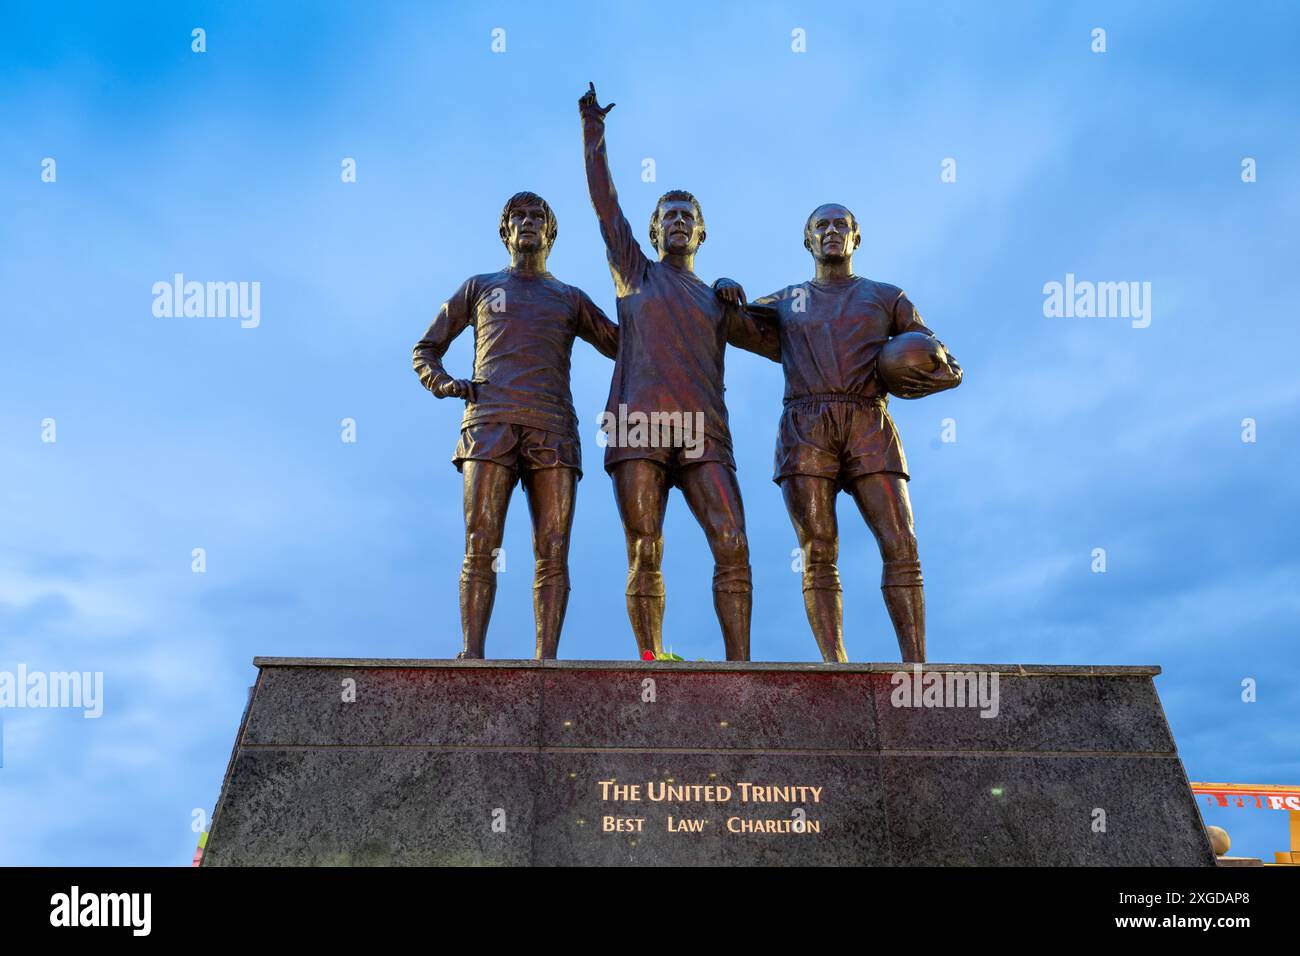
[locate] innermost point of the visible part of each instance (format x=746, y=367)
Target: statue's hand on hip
x=456, y=388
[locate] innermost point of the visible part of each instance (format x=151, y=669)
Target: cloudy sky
x=1072, y=434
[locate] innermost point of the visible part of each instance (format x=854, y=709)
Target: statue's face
x=526, y=229
x=832, y=233
x=680, y=232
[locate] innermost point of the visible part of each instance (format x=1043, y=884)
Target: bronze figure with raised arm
x=666, y=422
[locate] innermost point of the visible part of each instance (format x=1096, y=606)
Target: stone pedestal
x=417, y=762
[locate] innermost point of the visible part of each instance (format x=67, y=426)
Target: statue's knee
x=821, y=551
x=730, y=546
x=819, y=570
x=550, y=546
x=479, y=542
x=898, y=546
x=645, y=552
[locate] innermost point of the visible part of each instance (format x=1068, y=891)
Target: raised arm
x=595, y=327
x=626, y=260
x=451, y=320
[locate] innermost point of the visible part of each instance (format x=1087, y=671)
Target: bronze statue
x=666, y=422
x=519, y=422
x=836, y=432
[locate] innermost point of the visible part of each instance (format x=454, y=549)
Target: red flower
x=647, y=655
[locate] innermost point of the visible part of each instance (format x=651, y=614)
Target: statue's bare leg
x=641, y=490
x=551, y=493
x=487, y=495
x=810, y=499
x=883, y=500
x=713, y=494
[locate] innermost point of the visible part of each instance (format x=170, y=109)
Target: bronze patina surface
x=519, y=423
x=674, y=331
x=836, y=432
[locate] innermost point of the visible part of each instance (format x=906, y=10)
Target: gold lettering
x=686, y=826
x=747, y=825
x=621, y=824
x=611, y=790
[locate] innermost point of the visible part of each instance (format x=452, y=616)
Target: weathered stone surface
x=1043, y=712
x=375, y=807
x=520, y=762
x=394, y=706
x=708, y=709
x=997, y=809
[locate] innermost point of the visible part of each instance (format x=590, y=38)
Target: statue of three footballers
x=668, y=349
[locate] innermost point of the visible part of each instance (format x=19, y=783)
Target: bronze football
x=911, y=350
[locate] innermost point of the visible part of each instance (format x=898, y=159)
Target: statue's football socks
x=733, y=609
x=906, y=607
x=645, y=610
x=549, y=604
x=478, y=590
x=825, y=610
x=733, y=600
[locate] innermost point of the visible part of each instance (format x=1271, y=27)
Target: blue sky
x=1072, y=434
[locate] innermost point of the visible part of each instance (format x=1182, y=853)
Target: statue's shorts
x=672, y=453
x=837, y=436
x=520, y=448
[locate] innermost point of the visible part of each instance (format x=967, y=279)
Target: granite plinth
x=417, y=762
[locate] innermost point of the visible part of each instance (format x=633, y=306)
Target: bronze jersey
x=524, y=327
x=831, y=333
x=673, y=327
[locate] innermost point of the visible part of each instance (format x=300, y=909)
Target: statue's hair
x=679, y=194
x=807, y=226
x=552, y=227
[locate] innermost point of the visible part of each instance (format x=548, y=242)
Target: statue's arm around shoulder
x=752, y=326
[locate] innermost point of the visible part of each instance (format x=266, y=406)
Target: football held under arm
x=920, y=382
